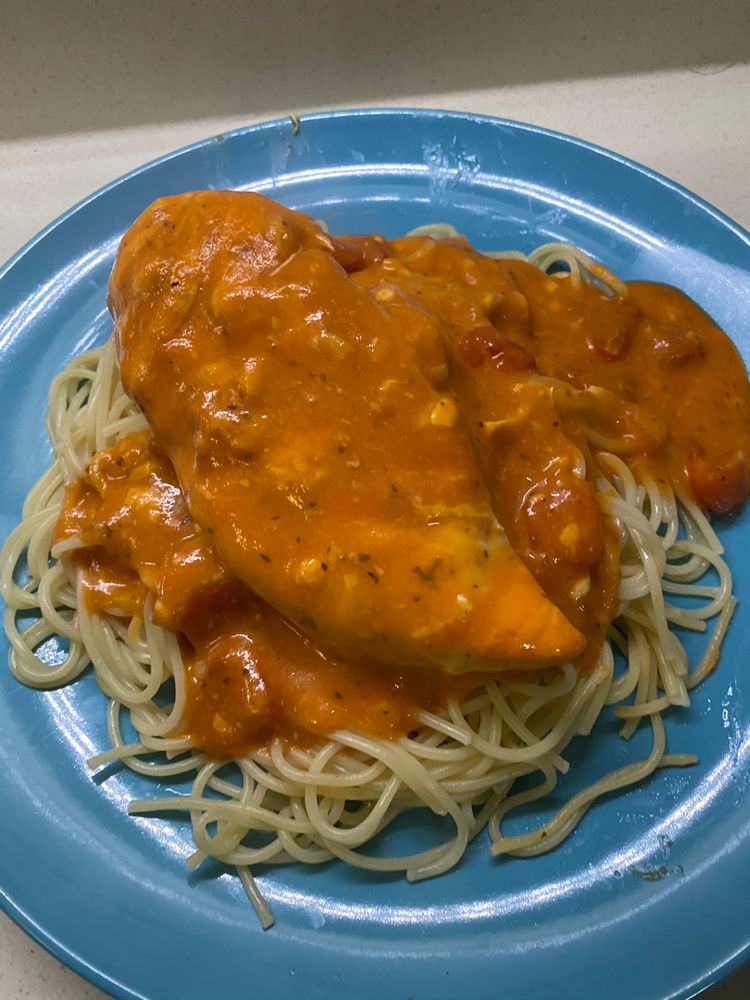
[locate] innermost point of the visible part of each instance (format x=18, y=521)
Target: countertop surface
x=91, y=91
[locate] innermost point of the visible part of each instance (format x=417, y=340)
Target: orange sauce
x=369, y=482
x=251, y=674
x=311, y=422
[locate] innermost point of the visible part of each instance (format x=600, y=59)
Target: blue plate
x=649, y=898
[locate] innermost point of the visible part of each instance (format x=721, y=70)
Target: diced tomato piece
x=355, y=253
x=719, y=483
x=673, y=344
x=485, y=344
x=610, y=324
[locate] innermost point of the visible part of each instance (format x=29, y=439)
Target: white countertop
x=90, y=90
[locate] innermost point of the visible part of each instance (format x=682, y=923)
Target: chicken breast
x=315, y=437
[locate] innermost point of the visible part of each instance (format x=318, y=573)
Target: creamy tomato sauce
x=251, y=674
x=371, y=464
x=309, y=421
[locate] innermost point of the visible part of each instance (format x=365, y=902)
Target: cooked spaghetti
x=311, y=758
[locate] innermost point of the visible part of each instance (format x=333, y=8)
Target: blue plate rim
x=49, y=942
x=394, y=111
